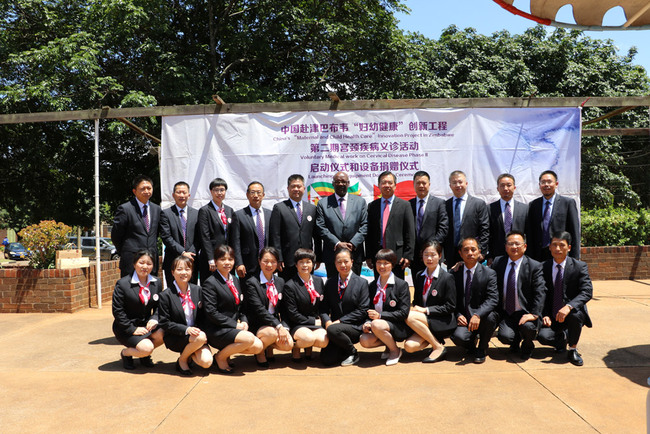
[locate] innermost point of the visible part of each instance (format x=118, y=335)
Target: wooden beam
x=616, y=132
x=385, y=104
x=609, y=115
x=139, y=130
x=218, y=100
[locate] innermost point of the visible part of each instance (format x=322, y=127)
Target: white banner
x=268, y=147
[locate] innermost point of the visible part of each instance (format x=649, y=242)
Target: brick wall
x=25, y=290
x=617, y=263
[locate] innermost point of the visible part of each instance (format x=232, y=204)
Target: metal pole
x=98, y=263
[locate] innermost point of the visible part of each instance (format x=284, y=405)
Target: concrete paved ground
x=62, y=373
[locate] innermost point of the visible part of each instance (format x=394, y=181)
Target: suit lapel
x=334, y=204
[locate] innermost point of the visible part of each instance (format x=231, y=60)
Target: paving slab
x=62, y=372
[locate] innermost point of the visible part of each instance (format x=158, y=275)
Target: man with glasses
x=252, y=233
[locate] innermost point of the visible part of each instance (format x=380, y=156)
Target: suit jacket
x=171, y=313
x=398, y=295
x=353, y=307
x=435, y=225
x=171, y=233
x=530, y=284
x=332, y=228
x=297, y=303
x=129, y=234
x=287, y=235
x=221, y=310
x=475, y=223
x=441, y=299
x=484, y=295
x=128, y=310
x=212, y=232
x=497, y=233
x=565, y=217
x=576, y=284
x=400, y=229
x=257, y=303
x=245, y=241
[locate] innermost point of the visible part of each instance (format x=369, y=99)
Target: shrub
x=42, y=241
x=615, y=227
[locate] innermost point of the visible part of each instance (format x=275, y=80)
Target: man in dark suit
x=549, y=214
x=431, y=222
x=468, y=217
x=252, y=235
x=476, y=298
x=390, y=226
x=520, y=283
x=342, y=221
x=177, y=230
x=292, y=227
x=135, y=226
x=568, y=289
x=506, y=214
x=216, y=224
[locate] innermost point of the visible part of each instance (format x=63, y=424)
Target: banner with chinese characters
x=268, y=147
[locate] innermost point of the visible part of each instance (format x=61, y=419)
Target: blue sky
x=430, y=17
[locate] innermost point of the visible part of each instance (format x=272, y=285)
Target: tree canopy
x=85, y=54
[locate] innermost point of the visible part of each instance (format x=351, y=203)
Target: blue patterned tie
x=511, y=291
x=507, y=218
x=457, y=221
x=260, y=231
x=183, y=226
x=546, y=236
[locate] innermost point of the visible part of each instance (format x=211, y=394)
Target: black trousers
x=556, y=334
x=510, y=332
x=462, y=337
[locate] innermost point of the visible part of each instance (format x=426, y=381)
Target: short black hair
x=384, y=174
x=304, y=254
x=342, y=249
x=513, y=232
x=295, y=177
x=138, y=179
x=181, y=259
x=271, y=251
x=253, y=183
x=456, y=173
x=548, y=172
x=222, y=251
x=140, y=253
x=506, y=175
x=562, y=235
x=179, y=183
x=218, y=182
x=386, y=255
x=432, y=243
x=460, y=243
x=420, y=173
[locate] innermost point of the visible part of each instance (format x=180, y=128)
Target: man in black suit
x=506, y=214
x=549, y=214
x=476, y=298
x=342, y=221
x=252, y=235
x=216, y=224
x=431, y=222
x=520, y=283
x=390, y=226
x=292, y=227
x=468, y=217
x=177, y=230
x=135, y=226
x=568, y=289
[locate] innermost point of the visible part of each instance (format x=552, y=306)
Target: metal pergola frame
x=335, y=103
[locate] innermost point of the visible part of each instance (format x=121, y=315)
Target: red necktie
x=272, y=293
x=222, y=214
x=427, y=285
x=145, y=294
x=185, y=299
x=233, y=289
x=313, y=295
x=343, y=284
x=380, y=295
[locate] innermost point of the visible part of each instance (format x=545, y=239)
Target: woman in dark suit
x=345, y=311
x=135, y=309
x=432, y=316
x=390, y=299
x=303, y=295
x=181, y=312
x=226, y=325
x=264, y=306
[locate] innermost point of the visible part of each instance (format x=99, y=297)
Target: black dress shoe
x=183, y=372
x=224, y=371
x=574, y=357
x=127, y=362
x=262, y=364
x=297, y=360
x=514, y=347
x=146, y=361
x=270, y=359
x=440, y=357
x=479, y=356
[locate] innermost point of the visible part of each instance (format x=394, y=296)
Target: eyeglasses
x=512, y=244
x=256, y=193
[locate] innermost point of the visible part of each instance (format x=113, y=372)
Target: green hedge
x=615, y=227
